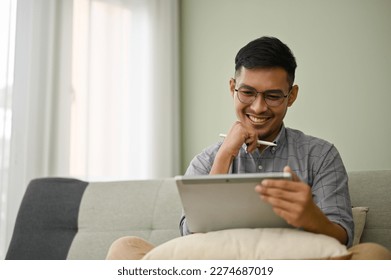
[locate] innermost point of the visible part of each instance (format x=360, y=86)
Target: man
x=263, y=89
x=317, y=199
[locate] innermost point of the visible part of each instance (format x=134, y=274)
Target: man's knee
x=128, y=248
x=369, y=251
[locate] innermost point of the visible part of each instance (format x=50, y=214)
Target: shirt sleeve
x=330, y=190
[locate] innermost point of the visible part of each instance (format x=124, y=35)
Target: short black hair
x=266, y=52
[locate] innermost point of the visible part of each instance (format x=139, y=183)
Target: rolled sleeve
x=331, y=193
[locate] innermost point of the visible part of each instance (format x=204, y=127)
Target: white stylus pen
x=260, y=142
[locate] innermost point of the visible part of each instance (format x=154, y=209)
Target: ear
x=232, y=86
x=292, y=97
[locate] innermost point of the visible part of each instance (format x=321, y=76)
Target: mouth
x=258, y=120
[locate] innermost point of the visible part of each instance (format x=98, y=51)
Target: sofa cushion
x=250, y=244
x=359, y=217
x=109, y=210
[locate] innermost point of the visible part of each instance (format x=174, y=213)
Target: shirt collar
x=280, y=139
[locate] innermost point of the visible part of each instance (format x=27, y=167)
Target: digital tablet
x=226, y=201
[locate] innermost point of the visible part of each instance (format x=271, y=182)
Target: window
x=124, y=99
x=95, y=94
x=7, y=48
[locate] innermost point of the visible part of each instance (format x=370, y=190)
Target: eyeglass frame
x=263, y=95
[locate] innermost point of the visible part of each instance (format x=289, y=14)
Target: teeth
x=257, y=120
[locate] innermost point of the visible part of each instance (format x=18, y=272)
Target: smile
x=257, y=120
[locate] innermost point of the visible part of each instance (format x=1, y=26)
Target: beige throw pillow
x=359, y=218
x=251, y=244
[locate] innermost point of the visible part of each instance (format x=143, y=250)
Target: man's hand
x=292, y=200
x=236, y=137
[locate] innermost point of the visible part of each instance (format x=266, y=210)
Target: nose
x=259, y=105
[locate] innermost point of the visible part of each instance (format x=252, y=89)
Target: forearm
x=233, y=142
x=339, y=233
x=222, y=163
x=321, y=224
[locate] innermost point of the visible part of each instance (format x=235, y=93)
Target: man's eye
x=247, y=92
x=273, y=96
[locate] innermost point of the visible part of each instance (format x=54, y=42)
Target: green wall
x=343, y=51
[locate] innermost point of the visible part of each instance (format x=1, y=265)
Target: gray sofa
x=63, y=218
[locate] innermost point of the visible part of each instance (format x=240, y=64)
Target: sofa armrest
x=47, y=219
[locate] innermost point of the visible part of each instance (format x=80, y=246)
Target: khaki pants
x=134, y=248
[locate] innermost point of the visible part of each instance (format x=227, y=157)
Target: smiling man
x=317, y=199
x=263, y=89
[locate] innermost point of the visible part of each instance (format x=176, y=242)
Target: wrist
x=222, y=162
x=321, y=224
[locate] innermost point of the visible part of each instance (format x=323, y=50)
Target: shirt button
x=260, y=167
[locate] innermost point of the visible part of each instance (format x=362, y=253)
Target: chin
x=266, y=133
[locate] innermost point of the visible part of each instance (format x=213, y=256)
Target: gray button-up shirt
x=315, y=161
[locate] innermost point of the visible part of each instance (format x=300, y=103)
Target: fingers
x=273, y=190
x=251, y=142
x=284, y=205
x=290, y=199
x=285, y=185
x=239, y=135
x=295, y=178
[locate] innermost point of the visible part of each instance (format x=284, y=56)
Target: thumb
x=295, y=178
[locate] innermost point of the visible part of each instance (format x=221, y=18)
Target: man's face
x=264, y=119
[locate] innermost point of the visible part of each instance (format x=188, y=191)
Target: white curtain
x=95, y=94
x=7, y=47
x=125, y=103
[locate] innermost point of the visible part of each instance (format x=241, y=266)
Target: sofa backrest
x=372, y=189
x=70, y=219
x=148, y=209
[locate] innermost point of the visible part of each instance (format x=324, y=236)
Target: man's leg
x=369, y=251
x=129, y=248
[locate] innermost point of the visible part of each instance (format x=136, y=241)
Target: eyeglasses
x=272, y=98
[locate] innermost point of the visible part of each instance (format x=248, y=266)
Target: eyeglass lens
x=272, y=98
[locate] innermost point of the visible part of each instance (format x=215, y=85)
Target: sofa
x=65, y=218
